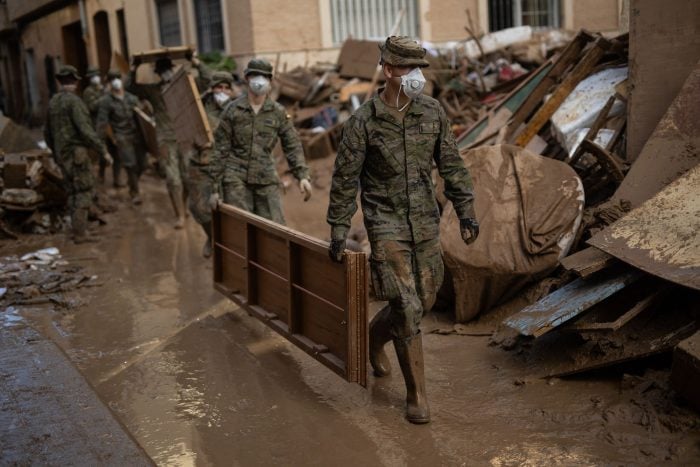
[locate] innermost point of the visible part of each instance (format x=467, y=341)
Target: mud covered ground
x=197, y=381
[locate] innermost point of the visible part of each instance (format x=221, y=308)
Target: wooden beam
x=588, y=261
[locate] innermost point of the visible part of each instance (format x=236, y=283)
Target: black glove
x=469, y=228
x=136, y=61
x=336, y=249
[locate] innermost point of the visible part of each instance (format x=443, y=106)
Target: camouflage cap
x=92, y=71
x=114, y=74
x=258, y=66
x=67, y=70
x=402, y=51
x=221, y=77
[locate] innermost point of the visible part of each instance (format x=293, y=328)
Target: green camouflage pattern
x=119, y=114
x=262, y=200
x=244, y=142
x=392, y=162
x=408, y=275
x=68, y=126
x=92, y=96
x=152, y=92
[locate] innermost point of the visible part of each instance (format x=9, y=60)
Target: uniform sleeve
x=48, y=137
x=458, y=182
x=102, y=118
x=292, y=148
x=205, y=76
x=92, y=101
x=346, y=178
x=81, y=120
x=222, y=148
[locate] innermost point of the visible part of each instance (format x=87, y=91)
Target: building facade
x=37, y=36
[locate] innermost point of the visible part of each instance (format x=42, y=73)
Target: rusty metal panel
x=569, y=302
x=285, y=279
x=187, y=112
x=661, y=236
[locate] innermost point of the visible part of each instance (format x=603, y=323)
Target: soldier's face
x=223, y=87
x=391, y=71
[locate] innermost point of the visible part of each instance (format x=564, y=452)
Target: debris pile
x=41, y=277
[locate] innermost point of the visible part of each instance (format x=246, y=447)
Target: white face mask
x=116, y=84
x=413, y=83
x=95, y=79
x=259, y=85
x=221, y=98
x=167, y=75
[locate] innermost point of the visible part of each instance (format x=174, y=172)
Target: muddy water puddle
x=199, y=382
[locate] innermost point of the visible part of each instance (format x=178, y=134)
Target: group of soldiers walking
x=388, y=150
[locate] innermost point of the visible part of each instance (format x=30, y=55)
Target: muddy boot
x=410, y=354
x=178, y=206
x=206, y=249
x=80, y=224
x=94, y=214
x=379, y=335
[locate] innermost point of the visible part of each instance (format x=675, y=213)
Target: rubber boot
x=178, y=206
x=379, y=335
x=410, y=354
x=206, y=249
x=133, y=180
x=80, y=224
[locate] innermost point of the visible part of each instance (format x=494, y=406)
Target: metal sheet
x=661, y=236
x=285, y=279
x=568, y=302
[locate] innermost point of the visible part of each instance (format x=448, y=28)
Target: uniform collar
x=381, y=110
x=244, y=103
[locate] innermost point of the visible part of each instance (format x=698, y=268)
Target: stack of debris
x=40, y=277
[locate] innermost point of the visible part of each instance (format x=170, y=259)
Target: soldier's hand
x=305, y=187
x=107, y=157
x=136, y=61
x=336, y=249
x=194, y=58
x=469, y=228
x=214, y=201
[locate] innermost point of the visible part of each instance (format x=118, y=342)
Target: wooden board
x=568, y=302
x=148, y=130
x=187, y=113
x=173, y=53
x=285, y=279
x=358, y=59
x=664, y=47
x=588, y=261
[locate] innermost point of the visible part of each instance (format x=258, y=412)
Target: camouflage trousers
x=199, y=188
x=174, y=164
x=78, y=179
x=409, y=276
x=263, y=200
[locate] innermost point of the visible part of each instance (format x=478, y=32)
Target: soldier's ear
x=388, y=70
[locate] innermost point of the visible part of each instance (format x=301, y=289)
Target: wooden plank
x=588, y=261
x=187, y=113
x=580, y=71
x=173, y=53
x=285, y=279
x=625, y=318
x=568, y=302
x=148, y=130
x=598, y=123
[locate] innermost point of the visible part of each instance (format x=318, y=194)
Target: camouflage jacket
x=153, y=93
x=91, y=96
x=213, y=110
x=392, y=163
x=68, y=126
x=119, y=114
x=243, y=144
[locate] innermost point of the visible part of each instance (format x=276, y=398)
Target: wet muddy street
x=197, y=381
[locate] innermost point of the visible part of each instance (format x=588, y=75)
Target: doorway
x=103, y=41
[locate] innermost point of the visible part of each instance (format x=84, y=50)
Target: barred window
x=210, y=30
x=168, y=23
x=372, y=19
x=536, y=13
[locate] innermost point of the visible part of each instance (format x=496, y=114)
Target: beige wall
x=444, y=20
x=594, y=15
x=285, y=25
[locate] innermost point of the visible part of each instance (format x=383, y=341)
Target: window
x=372, y=19
x=536, y=13
x=168, y=22
x=123, y=41
x=210, y=31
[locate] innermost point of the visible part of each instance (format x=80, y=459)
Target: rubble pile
x=41, y=277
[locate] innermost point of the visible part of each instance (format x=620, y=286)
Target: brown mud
x=197, y=381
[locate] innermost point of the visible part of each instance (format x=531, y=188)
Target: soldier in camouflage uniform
x=199, y=183
x=70, y=134
x=92, y=95
x=243, y=161
x=388, y=149
x=172, y=158
x=116, y=112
